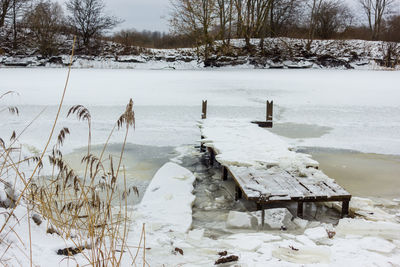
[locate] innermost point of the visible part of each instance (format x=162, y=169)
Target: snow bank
x=167, y=202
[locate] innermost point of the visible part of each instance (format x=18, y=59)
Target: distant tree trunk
x=375, y=10
x=239, y=23
x=271, y=20
x=311, y=31
x=4, y=9
x=14, y=25
x=247, y=33
x=230, y=22
x=222, y=20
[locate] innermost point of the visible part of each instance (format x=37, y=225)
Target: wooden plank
x=300, y=206
x=270, y=108
x=224, y=173
x=204, y=110
x=345, y=208
x=264, y=124
x=264, y=188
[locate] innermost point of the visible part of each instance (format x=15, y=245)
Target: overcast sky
x=139, y=14
x=153, y=14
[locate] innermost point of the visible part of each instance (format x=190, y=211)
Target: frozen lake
x=356, y=110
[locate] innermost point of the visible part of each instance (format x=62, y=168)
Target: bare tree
x=195, y=18
x=283, y=15
x=5, y=7
x=375, y=11
x=314, y=9
x=252, y=19
x=224, y=10
x=393, y=29
x=11, y=12
x=88, y=18
x=44, y=21
x=331, y=16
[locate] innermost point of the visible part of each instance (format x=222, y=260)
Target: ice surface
x=300, y=222
x=363, y=227
x=305, y=240
x=303, y=255
x=279, y=218
x=360, y=107
x=196, y=234
x=377, y=244
x=243, y=220
x=316, y=234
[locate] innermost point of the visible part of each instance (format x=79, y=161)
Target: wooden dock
x=265, y=188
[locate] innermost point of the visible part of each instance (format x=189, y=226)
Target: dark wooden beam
x=268, y=123
x=224, y=173
x=204, y=110
x=300, y=206
x=238, y=194
x=270, y=111
x=345, y=208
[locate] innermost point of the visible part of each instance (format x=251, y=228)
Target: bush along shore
x=277, y=53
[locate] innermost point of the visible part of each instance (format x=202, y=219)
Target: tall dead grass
x=80, y=209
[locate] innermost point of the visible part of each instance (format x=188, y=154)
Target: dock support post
x=224, y=173
x=261, y=207
x=238, y=194
x=345, y=208
x=203, y=116
x=262, y=217
x=270, y=111
x=202, y=147
x=300, y=209
x=204, y=110
x=212, y=157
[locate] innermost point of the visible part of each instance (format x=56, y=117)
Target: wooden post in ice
x=204, y=110
x=203, y=116
x=268, y=123
x=270, y=111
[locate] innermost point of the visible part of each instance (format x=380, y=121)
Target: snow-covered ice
x=167, y=202
x=359, y=107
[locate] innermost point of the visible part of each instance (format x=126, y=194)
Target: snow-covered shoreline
x=281, y=53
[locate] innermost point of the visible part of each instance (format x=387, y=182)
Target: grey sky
x=139, y=14
x=153, y=14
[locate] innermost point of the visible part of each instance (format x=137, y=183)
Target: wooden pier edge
x=262, y=204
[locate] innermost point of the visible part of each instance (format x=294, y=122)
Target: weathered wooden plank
x=264, y=187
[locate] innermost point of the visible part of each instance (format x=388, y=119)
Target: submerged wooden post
x=268, y=123
x=204, y=110
x=261, y=207
x=270, y=111
x=203, y=116
x=238, y=194
x=224, y=173
x=212, y=157
x=345, y=208
x=300, y=209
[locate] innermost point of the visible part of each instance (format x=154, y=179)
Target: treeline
x=152, y=39
x=46, y=27
x=209, y=20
